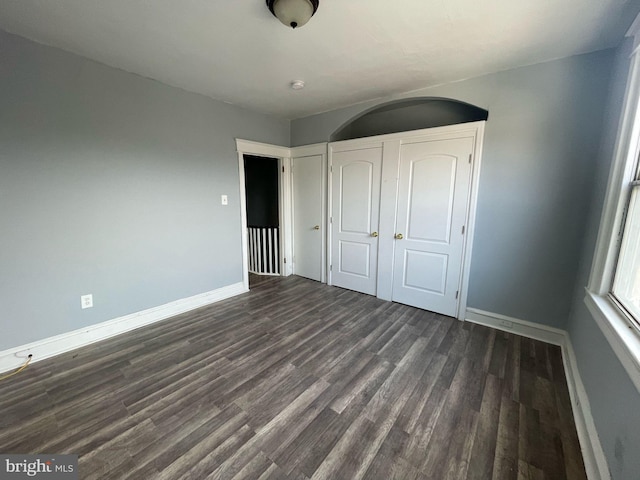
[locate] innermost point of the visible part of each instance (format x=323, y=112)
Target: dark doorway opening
x=263, y=215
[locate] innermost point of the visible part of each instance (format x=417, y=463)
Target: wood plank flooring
x=298, y=380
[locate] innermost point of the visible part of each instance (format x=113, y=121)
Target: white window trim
x=621, y=334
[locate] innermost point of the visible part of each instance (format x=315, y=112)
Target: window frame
x=617, y=300
x=620, y=330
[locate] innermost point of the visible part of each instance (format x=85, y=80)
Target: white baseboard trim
x=595, y=461
x=49, y=347
x=527, y=329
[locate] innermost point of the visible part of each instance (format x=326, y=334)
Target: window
x=613, y=293
x=626, y=280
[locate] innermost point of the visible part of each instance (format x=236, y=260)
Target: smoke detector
x=297, y=85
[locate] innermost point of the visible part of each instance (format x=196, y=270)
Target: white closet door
x=308, y=223
x=433, y=194
x=355, y=209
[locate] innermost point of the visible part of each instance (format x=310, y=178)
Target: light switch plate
x=224, y=200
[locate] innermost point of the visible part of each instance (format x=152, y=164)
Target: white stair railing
x=264, y=254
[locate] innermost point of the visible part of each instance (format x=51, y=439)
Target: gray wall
x=110, y=184
x=538, y=166
x=613, y=397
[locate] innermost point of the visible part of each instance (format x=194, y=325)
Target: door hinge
x=331, y=268
x=331, y=220
x=283, y=169
x=331, y=168
x=457, y=293
x=470, y=155
x=463, y=229
x=284, y=260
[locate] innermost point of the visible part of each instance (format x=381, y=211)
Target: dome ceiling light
x=293, y=13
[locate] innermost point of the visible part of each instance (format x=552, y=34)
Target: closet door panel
x=355, y=209
x=399, y=208
x=432, y=204
x=431, y=194
x=356, y=196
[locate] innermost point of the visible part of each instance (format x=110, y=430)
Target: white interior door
x=433, y=194
x=355, y=201
x=308, y=225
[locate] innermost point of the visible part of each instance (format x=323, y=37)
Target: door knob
x=317, y=227
x=398, y=236
x=374, y=234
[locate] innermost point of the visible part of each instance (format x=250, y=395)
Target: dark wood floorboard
x=298, y=380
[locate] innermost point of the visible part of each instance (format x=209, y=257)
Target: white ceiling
x=351, y=50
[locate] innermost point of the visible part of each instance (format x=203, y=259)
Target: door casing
x=247, y=147
x=284, y=155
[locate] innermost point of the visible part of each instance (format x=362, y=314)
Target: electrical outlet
x=224, y=200
x=506, y=323
x=86, y=301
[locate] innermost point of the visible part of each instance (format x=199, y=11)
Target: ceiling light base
x=293, y=13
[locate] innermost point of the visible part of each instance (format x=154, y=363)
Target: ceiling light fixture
x=297, y=84
x=293, y=13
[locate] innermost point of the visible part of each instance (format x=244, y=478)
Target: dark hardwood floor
x=298, y=380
